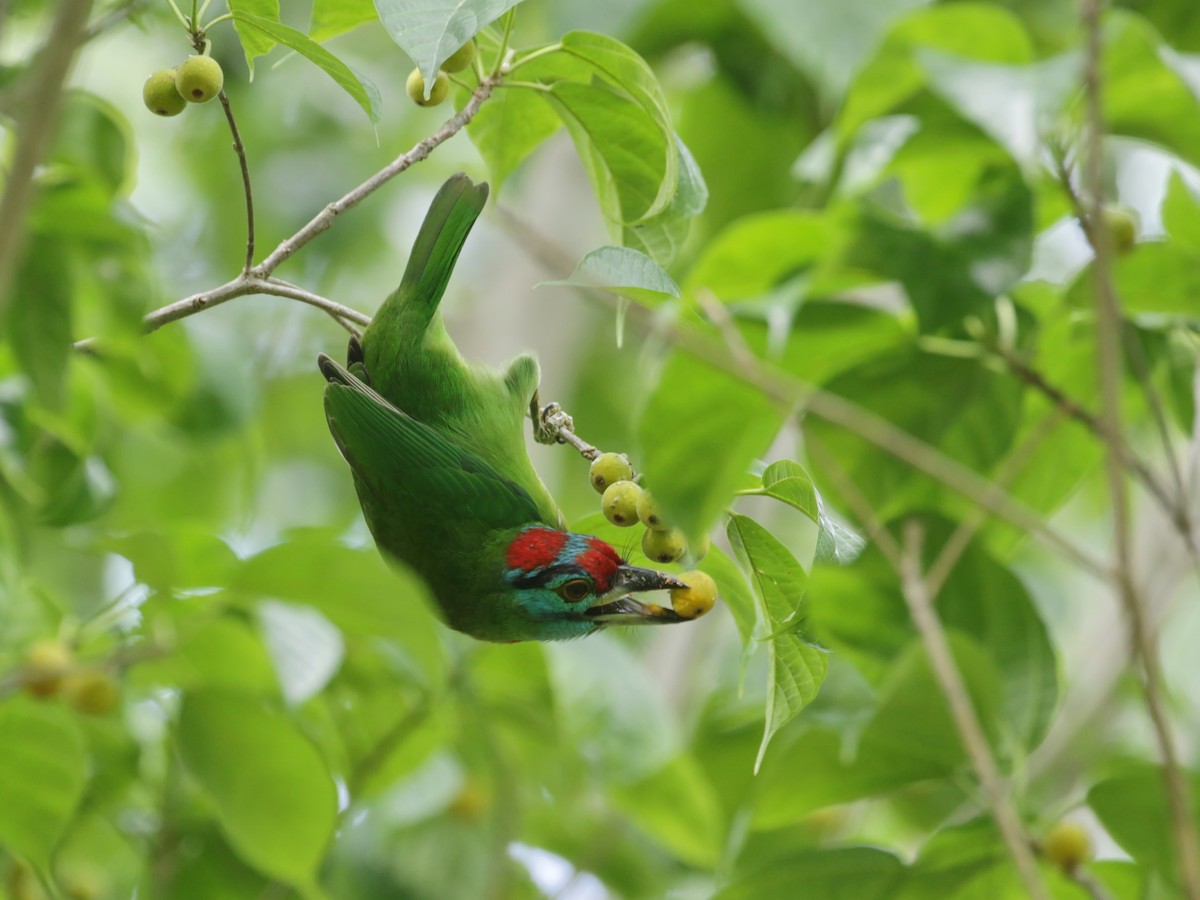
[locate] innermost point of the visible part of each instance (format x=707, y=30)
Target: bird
x=436, y=448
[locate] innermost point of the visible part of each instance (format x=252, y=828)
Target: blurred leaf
x=733, y=591
x=352, y=588
x=429, y=31
x=624, y=272
x=255, y=40
x=333, y=17
x=1155, y=277
x=181, y=558
x=94, y=139
x=1181, y=212
x=677, y=808
x=699, y=431
x=365, y=93
x=844, y=873
x=796, y=668
x=1133, y=807
x=221, y=653
x=39, y=316
x=274, y=797
x=305, y=648
x=42, y=778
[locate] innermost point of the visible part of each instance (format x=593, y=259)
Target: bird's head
x=570, y=585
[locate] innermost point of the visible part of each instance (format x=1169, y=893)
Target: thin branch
x=35, y=124
x=326, y=217
x=240, y=150
x=118, y=15
x=950, y=681
x=1109, y=360
x=789, y=392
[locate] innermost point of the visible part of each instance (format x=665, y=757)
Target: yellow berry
x=663, y=546
x=609, y=468
x=160, y=95
x=620, y=502
x=649, y=513
x=46, y=662
x=416, y=88
x=460, y=58
x=1122, y=228
x=1067, y=845
x=697, y=598
x=94, y=692
x=199, y=79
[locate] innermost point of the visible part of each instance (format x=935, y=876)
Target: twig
x=949, y=679
x=35, y=125
x=240, y=150
x=790, y=391
x=117, y=15
x=387, y=744
x=1109, y=359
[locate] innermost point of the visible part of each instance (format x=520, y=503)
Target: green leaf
x=509, y=127
x=790, y=483
x=621, y=67
x=255, y=41
x=676, y=807
x=360, y=88
x=352, y=588
x=699, y=432
x=624, y=272
x=221, y=653
x=1181, y=212
x=1133, y=807
x=182, y=558
x=274, y=797
x=429, y=31
x=733, y=591
x=42, y=778
x=796, y=668
x=39, y=316
x=842, y=873
x=661, y=237
x=333, y=17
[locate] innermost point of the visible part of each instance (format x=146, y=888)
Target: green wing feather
x=412, y=471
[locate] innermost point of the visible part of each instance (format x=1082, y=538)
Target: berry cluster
x=458, y=60
x=197, y=79
x=49, y=670
x=626, y=503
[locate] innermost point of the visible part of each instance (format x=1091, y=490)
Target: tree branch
x=1109, y=361
x=949, y=679
x=240, y=150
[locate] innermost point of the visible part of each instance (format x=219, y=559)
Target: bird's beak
x=621, y=609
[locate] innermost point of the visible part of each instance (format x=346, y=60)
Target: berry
x=609, y=468
x=160, y=95
x=416, y=88
x=94, y=692
x=697, y=598
x=46, y=662
x=1067, y=845
x=663, y=546
x=199, y=79
x=620, y=502
x=1122, y=228
x=649, y=513
x=460, y=58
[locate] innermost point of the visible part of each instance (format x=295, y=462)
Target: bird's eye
x=575, y=590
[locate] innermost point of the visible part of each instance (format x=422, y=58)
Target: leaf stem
x=503, y=51
x=536, y=54
x=180, y=16
x=227, y=17
x=240, y=150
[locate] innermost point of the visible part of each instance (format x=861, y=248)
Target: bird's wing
x=398, y=456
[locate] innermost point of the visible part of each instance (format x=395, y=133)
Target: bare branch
x=240, y=150
x=950, y=681
x=1109, y=361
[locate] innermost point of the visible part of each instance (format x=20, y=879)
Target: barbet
x=437, y=449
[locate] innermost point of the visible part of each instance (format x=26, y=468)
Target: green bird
x=437, y=450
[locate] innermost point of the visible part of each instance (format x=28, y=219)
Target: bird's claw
x=550, y=423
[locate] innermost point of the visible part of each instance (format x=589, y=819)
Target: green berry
x=416, y=88
x=160, y=95
x=650, y=514
x=620, y=503
x=460, y=58
x=609, y=468
x=1067, y=845
x=95, y=692
x=697, y=598
x=199, y=79
x=1122, y=229
x=46, y=664
x=663, y=546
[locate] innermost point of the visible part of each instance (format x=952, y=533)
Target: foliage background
x=886, y=219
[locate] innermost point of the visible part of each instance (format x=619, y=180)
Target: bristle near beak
x=626, y=610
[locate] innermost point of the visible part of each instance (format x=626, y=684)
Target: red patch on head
x=601, y=562
x=535, y=548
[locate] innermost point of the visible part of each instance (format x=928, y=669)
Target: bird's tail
x=453, y=212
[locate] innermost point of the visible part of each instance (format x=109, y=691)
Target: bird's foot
x=549, y=422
